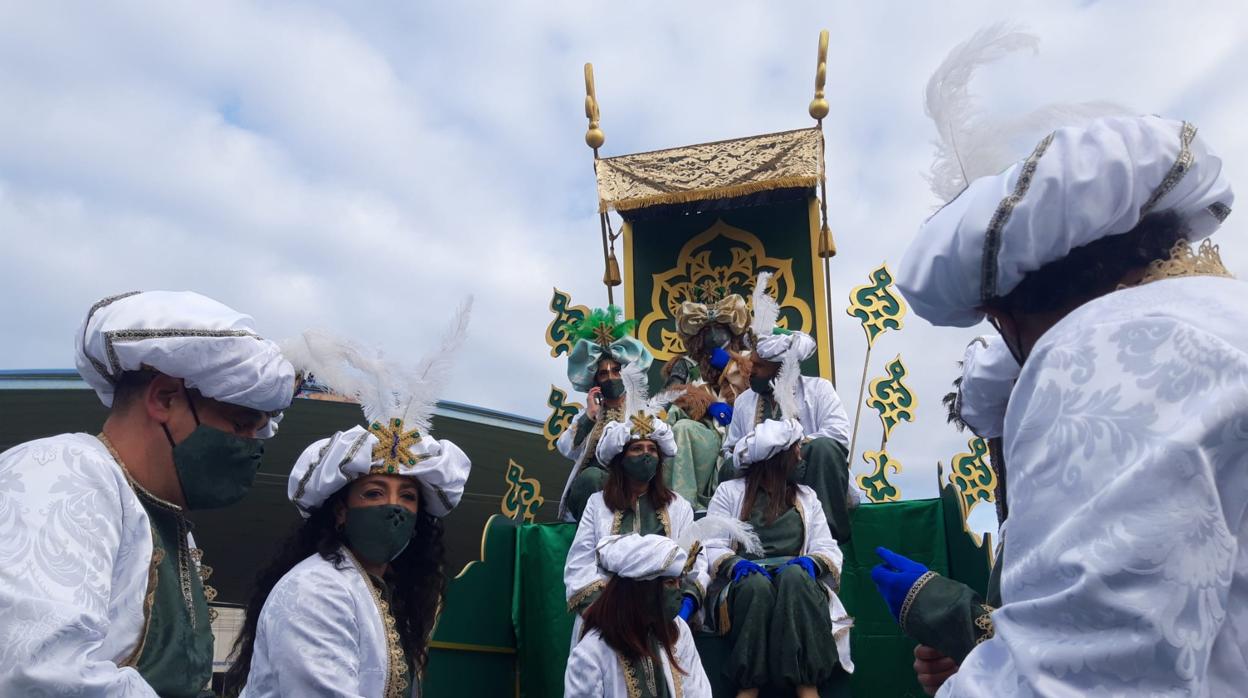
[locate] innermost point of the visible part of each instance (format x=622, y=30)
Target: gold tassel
x=827, y=248
x=612, y=275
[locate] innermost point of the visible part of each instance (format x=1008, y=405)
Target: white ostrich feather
x=970, y=145
x=636, y=389
x=784, y=386
x=766, y=310
x=384, y=389
x=712, y=527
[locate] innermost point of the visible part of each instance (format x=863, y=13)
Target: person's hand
x=806, y=564
x=594, y=396
x=745, y=568
x=721, y=411
x=687, y=607
x=933, y=668
x=895, y=577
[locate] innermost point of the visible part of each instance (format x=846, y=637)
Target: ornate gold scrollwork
x=560, y=417
x=523, y=496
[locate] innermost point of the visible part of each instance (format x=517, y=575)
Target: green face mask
x=640, y=468
x=215, y=468
x=762, y=386
x=672, y=599
x=612, y=389
x=378, y=534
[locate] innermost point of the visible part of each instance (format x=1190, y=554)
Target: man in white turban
x=1126, y=436
x=100, y=582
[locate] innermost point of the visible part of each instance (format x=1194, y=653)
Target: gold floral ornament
x=561, y=414
x=1183, y=261
x=558, y=338
x=523, y=496
x=876, y=306
x=876, y=485
x=698, y=278
x=642, y=424
x=972, y=476
x=891, y=397
x=394, y=447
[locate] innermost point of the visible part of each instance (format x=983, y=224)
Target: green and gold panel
x=703, y=256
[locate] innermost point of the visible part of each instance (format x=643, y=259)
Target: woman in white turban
x=349, y=605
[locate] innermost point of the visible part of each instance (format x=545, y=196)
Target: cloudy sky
x=362, y=166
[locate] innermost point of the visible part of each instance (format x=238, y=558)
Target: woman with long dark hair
x=634, y=499
x=778, y=607
x=635, y=644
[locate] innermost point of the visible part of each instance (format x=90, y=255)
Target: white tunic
x=321, y=633
x=817, y=542
x=1126, y=569
x=581, y=574
x=821, y=413
x=575, y=452
x=75, y=553
x=596, y=671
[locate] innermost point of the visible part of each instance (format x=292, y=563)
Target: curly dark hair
x=418, y=576
x=1094, y=269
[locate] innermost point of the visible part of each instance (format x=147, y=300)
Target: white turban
x=988, y=374
x=211, y=347
x=328, y=465
x=774, y=347
x=1080, y=184
x=641, y=557
x=616, y=436
x=768, y=438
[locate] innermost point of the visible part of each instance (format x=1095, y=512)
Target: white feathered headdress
x=398, y=400
x=732, y=533
x=970, y=145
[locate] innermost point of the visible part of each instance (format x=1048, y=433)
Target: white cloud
x=363, y=166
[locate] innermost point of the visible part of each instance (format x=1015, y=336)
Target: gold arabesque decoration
x=972, y=475
x=876, y=306
x=891, y=397
x=393, y=447
x=557, y=337
x=642, y=424
x=876, y=485
x=696, y=279
x=523, y=496
x=560, y=417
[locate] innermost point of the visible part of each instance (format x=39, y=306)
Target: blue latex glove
x=745, y=568
x=721, y=411
x=719, y=358
x=895, y=577
x=687, y=607
x=806, y=564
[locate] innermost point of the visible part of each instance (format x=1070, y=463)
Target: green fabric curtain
x=539, y=608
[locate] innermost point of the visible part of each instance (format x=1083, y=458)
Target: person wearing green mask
x=634, y=644
x=100, y=583
x=603, y=350
x=825, y=451
x=778, y=606
x=636, y=499
x=348, y=605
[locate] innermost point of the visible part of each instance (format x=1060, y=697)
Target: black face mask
x=762, y=386
x=640, y=468
x=612, y=388
x=378, y=534
x=717, y=336
x=215, y=468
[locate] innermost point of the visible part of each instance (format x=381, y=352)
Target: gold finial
x=818, y=106
x=594, y=137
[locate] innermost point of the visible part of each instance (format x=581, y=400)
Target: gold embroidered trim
x=671, y=557
x=992, y=236
x=585, y=592
x=617, y=520
x=110, y=339
x=99, y=365
x=149, y=600
x=983, y=623
x=912, y=595
x=719, y=562
x=303, y=481
x=630, y=677
x=1181, y=165
x=355, y=448
x=666, y=521
x=1204, y=261
x=396, y=684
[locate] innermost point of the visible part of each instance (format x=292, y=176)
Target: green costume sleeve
x=583, y=426
x=947, y=615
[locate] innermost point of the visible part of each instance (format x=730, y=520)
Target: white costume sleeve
x=694, y=683
x=723, y=503
x=742, y=421
x=682, y=518
x=584, y=675
x=820, y=544
x=311, y=632
x=65, y=544
x=566, y=443
x=581, y=575
x=1125, y=442
x=827, y=416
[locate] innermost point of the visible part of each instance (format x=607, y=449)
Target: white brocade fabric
x=75, y=550
x=816, y=540
x=594, y=670
x=988, y=374
x=819, y=410
x=320, y=634
x=1126, y=569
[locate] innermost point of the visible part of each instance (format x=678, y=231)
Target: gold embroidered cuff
x=912, y=594
x=983, y=623
x=584, y=593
